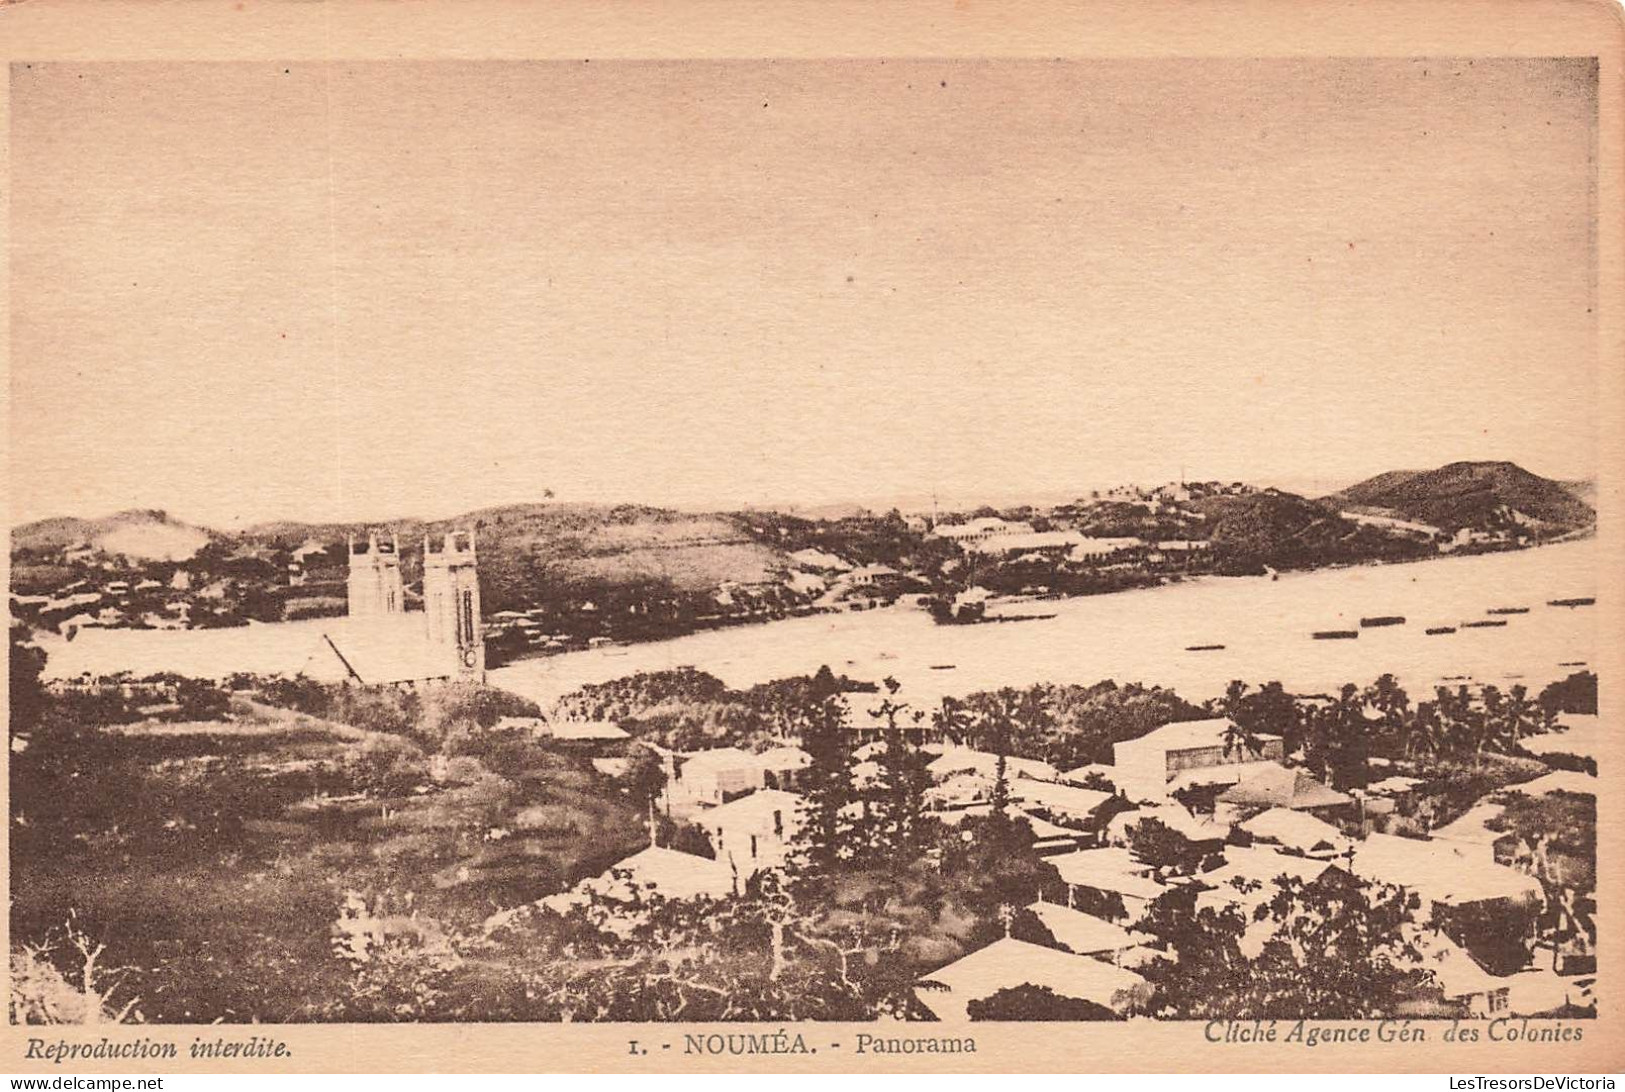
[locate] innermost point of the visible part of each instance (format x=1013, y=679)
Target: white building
x=1009, y=964
x=1187, y=753
x=754, y=832
x=709, y=779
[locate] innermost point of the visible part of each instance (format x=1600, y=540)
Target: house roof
x=1182, y=735
x=1558, y=781
x=1107, y=870
x=962, y=788
x=968, y=760
x=1046, y=831
x=1030, y=540
x=1580, y=737
x=678, y=875
x=1053, y=796
x=1455, y=971
x=1446, y=872
x=1083, y=773
x=1389, y=785
x=755, y=810
x=586, y=729
x=1296, y=830
x=1176, y=817
x=782, y=759
x=717, y=759
x=1185, y=735
x=819, y=559
x=1008, y=963
x=1084, y=934
x=1225, y=773
x=1277, y=786
x=1264, y=864
x=1473, y=827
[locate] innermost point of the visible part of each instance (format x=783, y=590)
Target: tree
x=27, y=696
x=1029, y=1002
x=1337, y=746
x=1155, y=843
x=1427, y=732
x=1336, y=950
x=645, y=776
x=903, y=779
x=1575, y=694
x=825, y=738
x=1387, y=697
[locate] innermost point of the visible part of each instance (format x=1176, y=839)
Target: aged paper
x=813, y=537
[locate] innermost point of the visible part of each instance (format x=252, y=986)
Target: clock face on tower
x=469, y=657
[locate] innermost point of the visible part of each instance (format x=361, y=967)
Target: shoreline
x=1265, y=625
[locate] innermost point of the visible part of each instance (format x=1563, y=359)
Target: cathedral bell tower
x=451, y=603
x=375, y=588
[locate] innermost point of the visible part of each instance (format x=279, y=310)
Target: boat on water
x=1507, y=610
x=1571, y=663
x=1019, y=617
x=1434, y=631
x=943, y=667
x=1335, y=634
x=1383, y=620
x=1484, y=623
x=1578, y=601
x=1203, y=648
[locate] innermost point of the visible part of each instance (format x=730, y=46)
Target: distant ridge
x=1471, y=494
x=136, y=532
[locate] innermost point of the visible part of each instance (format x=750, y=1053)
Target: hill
x=1285, y=530
x=1471, y=494
x=1583, y=490
x=581, y=548
x=140, y=533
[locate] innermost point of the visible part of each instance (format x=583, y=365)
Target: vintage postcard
x=1052, y=537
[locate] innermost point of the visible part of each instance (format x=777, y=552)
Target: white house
x=1442, y=873
x=1009, y=964
x=961, y=760
x=1297, y=831
x=755, y=831
x=1086, y=935
x=1093, y=874
x=708, y=779
x=1191, y=752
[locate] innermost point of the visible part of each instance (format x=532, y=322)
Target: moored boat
x=1434, y=631
x=1578, y=601
x=1507, y=610
x=1484, y=623
x=1383, y=620
x=1335, y=634
x=1203, y=648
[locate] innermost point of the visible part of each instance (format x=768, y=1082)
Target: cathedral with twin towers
x=384, y=643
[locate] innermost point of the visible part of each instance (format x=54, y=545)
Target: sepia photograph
x=925, y=543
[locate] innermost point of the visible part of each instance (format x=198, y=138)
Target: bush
x=42, y=994
x=385, y=765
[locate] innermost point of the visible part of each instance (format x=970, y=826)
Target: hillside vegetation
x=143, y=533
x=1468, y=494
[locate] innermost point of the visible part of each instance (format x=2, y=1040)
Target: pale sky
x=249, y=291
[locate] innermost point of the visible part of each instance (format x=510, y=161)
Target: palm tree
x=1387, y=697
x=1522, y=715
x=1240, y=738
x=1427, y=730
x=1230, y=705
x=1489, y=724
x=952, y=720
